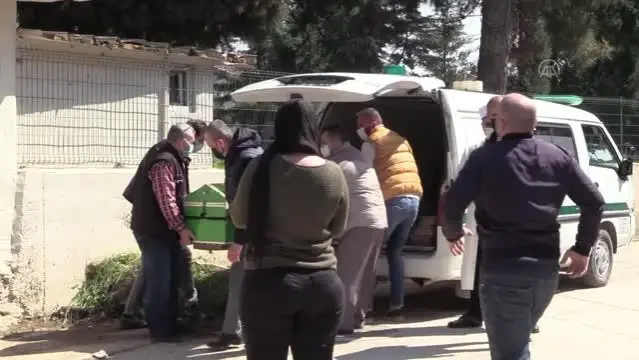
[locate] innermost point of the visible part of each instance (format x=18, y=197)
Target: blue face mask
x=188, y=150
x=197, y=146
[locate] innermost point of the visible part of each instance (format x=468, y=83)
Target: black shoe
x=535, y=330
x=395, y=315
x=131, y=322
x=359, y=325
x=465, y=322
x=344, y=336
x=225, y=341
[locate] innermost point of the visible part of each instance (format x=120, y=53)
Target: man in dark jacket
x=237, y=148
x=518, y=186
x=157, y=192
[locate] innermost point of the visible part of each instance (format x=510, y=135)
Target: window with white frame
x=178, y=88
x=600, y=150
x=558, y=134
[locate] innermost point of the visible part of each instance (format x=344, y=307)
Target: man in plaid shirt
x=157, y=192
x=131, y=317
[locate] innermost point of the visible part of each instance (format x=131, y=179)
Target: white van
x=442, y=125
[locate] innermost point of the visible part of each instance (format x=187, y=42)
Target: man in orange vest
x=394, y=163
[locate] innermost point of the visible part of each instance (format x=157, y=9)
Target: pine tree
x=443, y=49
x=352, y=35
x=563, y=32
x=530, y=48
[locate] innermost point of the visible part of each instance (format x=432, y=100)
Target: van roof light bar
x=571, y=100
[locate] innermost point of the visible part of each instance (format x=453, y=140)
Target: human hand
x=457, y=246
x=234, y=252
x=577, y=264
x=186, y=237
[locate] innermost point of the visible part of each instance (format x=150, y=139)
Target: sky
x=472, y=27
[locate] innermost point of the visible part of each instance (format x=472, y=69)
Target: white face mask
x=362, y=134
x=325, y=150
x=488, y=131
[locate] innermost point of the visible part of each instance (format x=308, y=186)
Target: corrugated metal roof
x=114, y=42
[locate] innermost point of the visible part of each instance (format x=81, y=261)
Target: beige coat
x=366, y=206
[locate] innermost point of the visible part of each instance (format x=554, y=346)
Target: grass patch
x=108, y=281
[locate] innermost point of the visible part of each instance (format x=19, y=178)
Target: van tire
x=600, y=264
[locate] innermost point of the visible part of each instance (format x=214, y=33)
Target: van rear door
x=463, y=125
x=334, y=87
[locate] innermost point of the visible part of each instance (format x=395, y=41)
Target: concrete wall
x=635, y=181
x=66, y=219
x=76, y=108
x=8, y=14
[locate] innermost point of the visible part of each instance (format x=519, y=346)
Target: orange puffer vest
x=394, y=164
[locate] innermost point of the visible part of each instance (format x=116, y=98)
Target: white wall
x=66, y=219
x=85, y=109
x=8, y=13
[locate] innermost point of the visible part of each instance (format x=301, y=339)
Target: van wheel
x=600, y=266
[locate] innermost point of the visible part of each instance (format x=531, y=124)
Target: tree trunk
x=494, y=48
x=532, y=47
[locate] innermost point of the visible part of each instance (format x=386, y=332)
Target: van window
x=600, y=150
x=557, y=134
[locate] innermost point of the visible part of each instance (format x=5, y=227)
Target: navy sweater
x=518, y=185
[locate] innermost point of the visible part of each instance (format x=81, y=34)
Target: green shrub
x=108, y=281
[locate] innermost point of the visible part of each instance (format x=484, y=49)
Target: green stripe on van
x=574, y=210
x=571, y=213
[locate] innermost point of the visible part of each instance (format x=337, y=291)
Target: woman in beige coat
x=359, y=246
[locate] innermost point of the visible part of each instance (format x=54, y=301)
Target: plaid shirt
x=162, y=177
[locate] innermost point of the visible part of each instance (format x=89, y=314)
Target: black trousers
x=291, y=307
x=474, y=309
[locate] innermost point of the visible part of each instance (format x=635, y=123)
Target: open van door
x=465, y=135
x=335, y=87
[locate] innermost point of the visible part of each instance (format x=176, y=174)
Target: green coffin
x=205, y=213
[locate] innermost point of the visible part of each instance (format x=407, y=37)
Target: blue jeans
x=511, y=305
x=187, y=286
x=401, y=212
x=162, y=264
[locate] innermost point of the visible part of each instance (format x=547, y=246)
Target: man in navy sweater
x=518, y=185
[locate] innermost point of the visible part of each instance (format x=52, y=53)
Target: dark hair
x=335, y=131
x=198, y=125
x=296, y=131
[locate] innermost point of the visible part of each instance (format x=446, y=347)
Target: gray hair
x=370, y=113
x=219, y=128
x=179, y=132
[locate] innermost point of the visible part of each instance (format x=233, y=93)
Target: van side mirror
x=625, y=169
x=629, y=150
